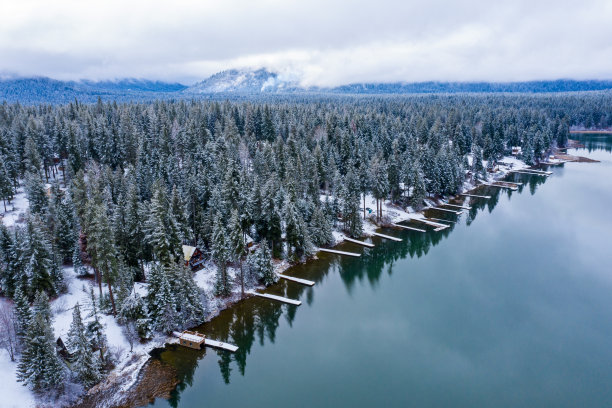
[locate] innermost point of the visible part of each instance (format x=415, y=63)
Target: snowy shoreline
x=393, y=214
x=121, y=382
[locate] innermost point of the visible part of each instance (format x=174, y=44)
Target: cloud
x=320, y=42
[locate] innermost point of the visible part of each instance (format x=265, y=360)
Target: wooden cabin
x=192, y=339
x=194, y=258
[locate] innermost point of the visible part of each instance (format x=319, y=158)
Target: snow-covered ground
x=15, y=211
x=12, y=393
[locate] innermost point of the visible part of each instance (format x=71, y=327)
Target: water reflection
x=258, y=319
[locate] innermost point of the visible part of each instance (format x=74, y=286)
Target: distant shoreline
x=597, y=131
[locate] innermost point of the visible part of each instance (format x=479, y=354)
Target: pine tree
x=40, y=367
x=85, y=364
x=320, y=228
x=40, y=269
x=101, y=245
x=236, y=244
x=23, y=314
x=296, y=233
x=36, y=193
x=221, y=253
x=260, y=264
x=8, y=262
x=77, y=261
x=6, y=186
x=162, y=230
x=95, y=328
x=161, y=300
x=353, y=223
x=189, y=303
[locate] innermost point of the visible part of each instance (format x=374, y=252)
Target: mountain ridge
x=253, y=82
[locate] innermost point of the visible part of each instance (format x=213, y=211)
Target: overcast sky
x=320, y=42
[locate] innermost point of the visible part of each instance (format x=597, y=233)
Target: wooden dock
x=432, y=223
x=475, y=196
x=513, y=188
x=221, y=345
x=440, y=219
x=278, y=298
x=408, y=228
x=354, y=241
x=298, y=280
x=445, y=209
x=387, y=237
x=333, y=251
x=195, y=340
x=532, y=171
x=463, y=207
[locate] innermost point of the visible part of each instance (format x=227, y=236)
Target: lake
x=510, y=307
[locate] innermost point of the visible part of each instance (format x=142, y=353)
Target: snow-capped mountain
x=243, y=81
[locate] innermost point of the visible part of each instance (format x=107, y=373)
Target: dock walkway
x=408, y=228
x=298, y=280
x=334, y=251
x=387, y=237
x=278, y=298
x=354, y=241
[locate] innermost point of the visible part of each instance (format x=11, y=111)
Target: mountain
x=47, y=90
x=244, y=81
x=561, y=85
x=251, y=83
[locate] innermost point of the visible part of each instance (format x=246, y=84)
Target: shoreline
x=392, y=214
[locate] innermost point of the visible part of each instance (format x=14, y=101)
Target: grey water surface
x=511, y=307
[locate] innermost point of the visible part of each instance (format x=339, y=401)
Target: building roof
x=188, y=252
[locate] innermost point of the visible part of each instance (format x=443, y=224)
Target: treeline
x=120, y=187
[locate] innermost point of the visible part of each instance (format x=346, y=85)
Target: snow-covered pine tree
x=320, y=228
x=161, y=300
x=77, y=261
x=40, y=368
x=95, y=328
x=353, y=223
x=23, y=314
x=260, y=264
x=221, y=253
x=162, y=230
x=36, y=193
x=6, y=185
x=236, y=244
x=101, y=245
x=85, y=364
x=8, y=262
x=40, y=269
x=188, y=297
x=296, y=233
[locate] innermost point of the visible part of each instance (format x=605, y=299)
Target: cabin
x=192, y=339
x=194, y=258
x=516, y=150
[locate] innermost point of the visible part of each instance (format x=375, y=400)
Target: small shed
x=193, y=256
x=192, y=339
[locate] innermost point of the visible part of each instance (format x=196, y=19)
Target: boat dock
x=476, y=196
x=463, y=207
x=334, y=251
x=387, y=237
x=298, y=280
x=354, y=241
x=511, y=187
x=440, y=219
x=445, y=209
x=438, y=226
x=195, y=340
x=221, y=345
x=532, y=172
x=278, y=298
x=409, y=228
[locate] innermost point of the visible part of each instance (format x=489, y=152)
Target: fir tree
x=161, y=301
x=40, y=368
x=221, y=253
x=40, y=269
x=85, y=364
x=36, y=193
x=260, y=264
x=320, y=228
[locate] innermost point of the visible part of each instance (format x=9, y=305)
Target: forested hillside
x=121, y=187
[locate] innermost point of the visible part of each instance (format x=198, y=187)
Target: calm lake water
x=510, y=307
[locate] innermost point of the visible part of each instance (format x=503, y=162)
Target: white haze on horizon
x=318, y=42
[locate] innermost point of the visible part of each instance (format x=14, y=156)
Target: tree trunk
x=112, y=298
x=99, y=279
x=364, y=204
x=241, y=278
x=4, y=202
